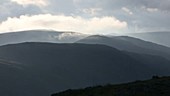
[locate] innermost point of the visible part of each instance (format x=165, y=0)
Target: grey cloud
x=10, y=9
x=66, y=7
x=140, y=17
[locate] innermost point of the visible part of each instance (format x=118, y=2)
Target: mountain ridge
x=131, y=44
x=40, y=36
x=155, y=37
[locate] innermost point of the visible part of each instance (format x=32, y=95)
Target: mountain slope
x=129, y=44
x=156, y=37
x=40, y=36
x=154, y=87
x=40, y=69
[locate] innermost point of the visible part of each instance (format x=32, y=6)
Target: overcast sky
x=86, y=16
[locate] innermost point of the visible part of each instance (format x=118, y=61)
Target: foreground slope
x=40, y=69
x=153, y=87
x=129, y=44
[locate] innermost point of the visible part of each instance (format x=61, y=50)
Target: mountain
x=40, y=36
x=130, y=44
x=155, y=37
x=40, y=69
x=157, y=86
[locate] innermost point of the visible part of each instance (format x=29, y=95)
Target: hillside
x=156, y=37
x=39, y=36
x=153, y=87
x=40, y=69
x=129, y=44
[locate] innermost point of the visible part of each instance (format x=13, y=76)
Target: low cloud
x=63, y=23
x=127, y=10
x=92, y=11
x=150, y=9
x=39, y=3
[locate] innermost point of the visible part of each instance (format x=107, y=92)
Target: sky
x=85, y=16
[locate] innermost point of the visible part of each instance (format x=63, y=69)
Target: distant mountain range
x=157, y=86
x=40, y=36
x=161, y=38
x=155, y=37
x=38, y=69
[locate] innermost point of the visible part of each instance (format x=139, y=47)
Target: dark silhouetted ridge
x=157, y=86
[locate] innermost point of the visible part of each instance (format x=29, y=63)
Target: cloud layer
x=63, y=23
x=137, y=15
